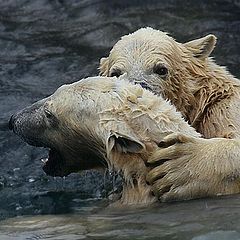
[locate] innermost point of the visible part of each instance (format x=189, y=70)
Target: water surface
x=211, y=219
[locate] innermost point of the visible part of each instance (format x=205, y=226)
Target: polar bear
x=205, y=93
x=101, y=122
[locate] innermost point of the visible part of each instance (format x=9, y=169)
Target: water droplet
x=16, y=169
x=18, y=207
x=31, y=180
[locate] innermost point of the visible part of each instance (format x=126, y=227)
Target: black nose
x=145, y=85
x=11, y=123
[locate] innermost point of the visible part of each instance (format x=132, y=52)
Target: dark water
x=212, y=219
x=46, y=43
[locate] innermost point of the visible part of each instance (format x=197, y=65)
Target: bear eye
x=51, y=118
x=48, y=114
x=115, y=73
x=160, y=70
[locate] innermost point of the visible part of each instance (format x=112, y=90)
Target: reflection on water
x=196, y=220
x=47, y=43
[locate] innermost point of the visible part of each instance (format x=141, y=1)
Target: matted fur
x=200, y=89
x=208, y=97
x=117, y=121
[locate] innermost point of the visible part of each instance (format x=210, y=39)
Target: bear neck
x=133, y=170
x=203, y=85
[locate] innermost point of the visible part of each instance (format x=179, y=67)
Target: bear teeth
x=44, y=160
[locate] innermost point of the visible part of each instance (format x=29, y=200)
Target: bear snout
x=29, y=124
x=13, y=122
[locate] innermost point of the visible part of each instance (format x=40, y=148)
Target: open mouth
x=55, y=165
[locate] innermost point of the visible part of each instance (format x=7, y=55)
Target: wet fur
x=208, y=97
x=199, y=88
x=119, y=121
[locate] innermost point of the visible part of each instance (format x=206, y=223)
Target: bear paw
x=185, y=167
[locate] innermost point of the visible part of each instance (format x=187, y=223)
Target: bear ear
x=202, y=47
x=123, y=143
x=104, y=65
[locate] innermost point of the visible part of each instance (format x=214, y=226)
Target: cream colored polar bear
x=208, y=97
x=95, y=123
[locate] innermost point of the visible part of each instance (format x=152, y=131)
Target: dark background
x=46, y=43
